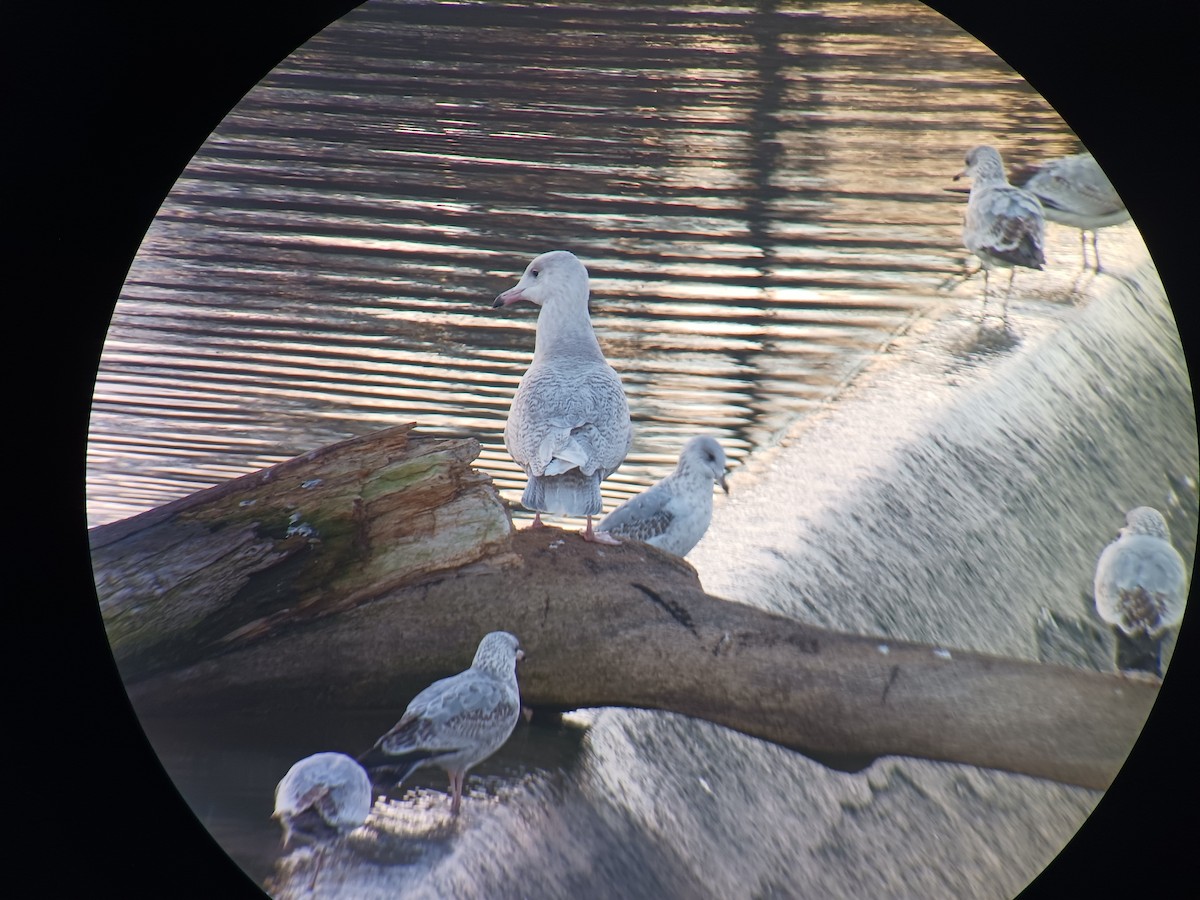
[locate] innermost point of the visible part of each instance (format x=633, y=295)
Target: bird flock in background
x=569, y=428
x=1005, y=221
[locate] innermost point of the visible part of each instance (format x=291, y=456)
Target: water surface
x=757, y=191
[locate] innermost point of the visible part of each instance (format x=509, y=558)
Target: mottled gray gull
x=458, y=721
x=1004, y=225
x=674, y=514
x=1075, y=191
x=321, y=797
x=1141, y=588
x=569, y=426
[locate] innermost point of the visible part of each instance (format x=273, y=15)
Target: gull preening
x=569, y=426
x=459, y=721
x=1004, y=225
x=674, y=513
x=321, y=797
x=1075, y=191
x=1141, y=587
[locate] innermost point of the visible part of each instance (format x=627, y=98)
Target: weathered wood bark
x=298, y=540
x=602, y=626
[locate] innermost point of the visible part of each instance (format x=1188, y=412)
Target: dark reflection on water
x=758, y=193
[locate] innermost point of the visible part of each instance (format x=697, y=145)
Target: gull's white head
x=553, y=275
x=704, y=454
x=1146, y=520
x=498, y=654
x=983, y=165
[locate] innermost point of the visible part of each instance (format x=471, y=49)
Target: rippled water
x=758, y=193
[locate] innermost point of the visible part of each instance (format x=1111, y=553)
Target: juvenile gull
x=569, y=426
x=321, y=797
x=1004, y=225
x=674, y=514
x=1075, y=191
x=459, y=721
x=1141, y=588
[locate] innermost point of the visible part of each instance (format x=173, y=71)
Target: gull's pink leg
x=317, y=869
x=537, y=521
x=1012, y=273
x=598, y=537
x=983, y=309
x=456, y=785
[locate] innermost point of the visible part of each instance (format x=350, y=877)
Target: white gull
x=569, y=426
x=1141, y=584
x=1004, y=225
x=321, y=797
x=459, y=721
x=1075, y=191
x=674, y=513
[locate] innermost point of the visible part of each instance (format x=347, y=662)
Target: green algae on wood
x=300, y=539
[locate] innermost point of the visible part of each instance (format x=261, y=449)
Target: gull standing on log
x=1004, y=225
x=1075, y=191
x=459, y=721
x=1141, y=588
x=569, y=425
x=674, y=514
x=321, y=797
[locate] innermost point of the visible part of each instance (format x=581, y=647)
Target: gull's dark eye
x=534, y=272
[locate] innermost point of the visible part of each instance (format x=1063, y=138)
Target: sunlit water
x=759, y=194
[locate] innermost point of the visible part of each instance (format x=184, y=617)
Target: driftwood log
x=356, y=574
x=307, y=537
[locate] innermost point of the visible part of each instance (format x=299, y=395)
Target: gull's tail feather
x=1027, y=253
x=569, y=494
x=1138, y=653
x=399, y=765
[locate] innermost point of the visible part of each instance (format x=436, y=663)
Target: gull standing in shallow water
x=1075, y=191
x=459, y=721
x=321, y=797
x=674, y=514
x=569, y=426
x=1141, y=588
x=1004, y=225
